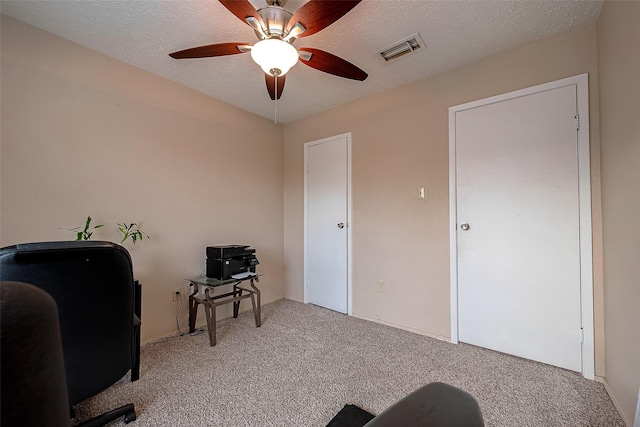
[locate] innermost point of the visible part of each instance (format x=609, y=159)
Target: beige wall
x=400, y=143
x=83, y=134
x=619, y=69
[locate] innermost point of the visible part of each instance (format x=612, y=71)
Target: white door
x=518, y=227
x=327, y=222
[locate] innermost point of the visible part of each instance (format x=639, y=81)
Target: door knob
x=464, y=226
x=341, y=225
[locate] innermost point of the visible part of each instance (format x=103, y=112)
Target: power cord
x=180, y=332
x=178, y=315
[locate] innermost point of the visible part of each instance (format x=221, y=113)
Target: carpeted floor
x=305, y=363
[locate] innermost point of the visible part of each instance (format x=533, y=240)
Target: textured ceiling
x=143, y=33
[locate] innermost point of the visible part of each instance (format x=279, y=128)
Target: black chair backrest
x=92, y=284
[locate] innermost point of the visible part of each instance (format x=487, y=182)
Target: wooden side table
x=210, y=302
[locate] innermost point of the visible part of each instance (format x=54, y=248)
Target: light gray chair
x=433, y=405
x=34, y=387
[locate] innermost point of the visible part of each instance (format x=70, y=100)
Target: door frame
x=307, y=145
x=584, y=200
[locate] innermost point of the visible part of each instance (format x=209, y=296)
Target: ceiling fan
x=277, y=30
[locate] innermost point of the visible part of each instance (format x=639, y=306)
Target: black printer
x=226, y=261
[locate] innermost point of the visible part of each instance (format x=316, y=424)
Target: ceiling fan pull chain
x=275, y=113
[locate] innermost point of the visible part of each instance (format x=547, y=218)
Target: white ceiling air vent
x=409, y=45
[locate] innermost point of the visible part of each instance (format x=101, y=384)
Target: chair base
x=127, y=410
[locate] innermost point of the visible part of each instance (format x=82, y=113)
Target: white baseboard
x=636, y=423
x=394, y=325
x=603, y=380
x=404, y=327
x=204, y=324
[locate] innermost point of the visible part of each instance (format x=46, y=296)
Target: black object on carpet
x=351, y=416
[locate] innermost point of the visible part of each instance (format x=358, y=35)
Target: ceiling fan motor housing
x=275, y=20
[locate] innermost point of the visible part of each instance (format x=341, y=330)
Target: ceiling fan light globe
x=274, y=54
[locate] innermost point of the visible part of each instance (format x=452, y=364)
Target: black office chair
x=99, y=306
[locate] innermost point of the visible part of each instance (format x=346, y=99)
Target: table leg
x=236, y=304
x=256, y=307
x=210, y=312
x=193, y=309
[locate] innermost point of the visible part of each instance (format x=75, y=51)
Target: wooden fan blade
x=316, y=15
x=329, y=63
x=210, y=50
x=271, y=85
x=242, y=9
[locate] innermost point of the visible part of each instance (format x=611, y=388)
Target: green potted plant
x=86, y=232
x=131, y=231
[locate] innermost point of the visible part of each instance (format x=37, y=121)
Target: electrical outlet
x=381, y=286
x=176, y=294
